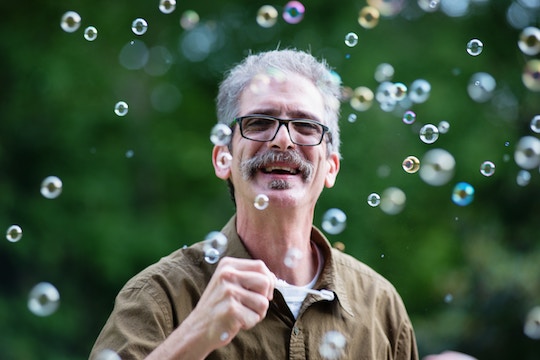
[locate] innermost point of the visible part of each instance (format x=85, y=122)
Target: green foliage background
x=117, y=214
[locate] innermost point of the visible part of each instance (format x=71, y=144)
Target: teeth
x=287, y=169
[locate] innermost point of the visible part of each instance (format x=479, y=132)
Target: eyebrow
x=293, y=114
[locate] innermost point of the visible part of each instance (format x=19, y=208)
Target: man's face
x=289, y=174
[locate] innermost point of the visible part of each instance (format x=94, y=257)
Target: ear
x=222, y=161
x=333, y=169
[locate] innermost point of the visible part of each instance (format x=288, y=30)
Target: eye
x=257, y=124
x=306, y=127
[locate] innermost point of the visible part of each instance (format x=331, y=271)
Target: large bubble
x=531, y=75
x=429, y=133
x=438, y=167
x=70, y=21
x=393, y=200
x=529, y=41
x=463, y=194
x=361, y=99
x=14, y=233
x=214, y=246
x=51, y=187
x=475, y=47
x=43, y=299
x=334, y=221
x=531, y=328
x=220, y=134
x=368, y=17
x=527, y=152
x=293, y=12
x=419, y=91
x=481, y=87
x=332, y=345
x=267, y=16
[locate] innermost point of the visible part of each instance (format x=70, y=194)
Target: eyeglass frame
x=285, y=122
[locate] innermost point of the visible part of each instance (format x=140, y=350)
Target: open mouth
x=281, y=170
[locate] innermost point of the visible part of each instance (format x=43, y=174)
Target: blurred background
x=133, y=187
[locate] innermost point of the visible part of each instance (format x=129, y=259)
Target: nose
x=282, y=140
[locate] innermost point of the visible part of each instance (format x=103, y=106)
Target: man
x=283, y=108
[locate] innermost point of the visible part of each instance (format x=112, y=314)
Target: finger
x=249, y=280
x=245, y=309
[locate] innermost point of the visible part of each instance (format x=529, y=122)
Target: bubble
x=134, y=55
x=535, y=124
x=487, y=168
x=351, y=39
x=14, y=233
x=139, y=26
x=374, y=199
x=51, y=187
x=361, y=99
x=438, y=167
x=107, y=354
x=393, y=201
x=70, y=22
x=529, y=41
x=224, y=336
x=339, y=246
x=130, y=154
x=220, y=134
x=475, y=47
x=368, y=17
x=429, y=5
x=419, y=91
x=352, y=118
x=481, y=87
x=429, y=133
x=411, y=164
x=224, y=160
x=409, y=117
x=292, y=257
x=531, y=75
x=121, y=108
x=448, y=298
x=334, y=221
x=90, y=33
x=332, y=345
x=527, y=153
x=261, y=202
x=267, y=16
x=293, y=12
x=531, y=328
x=43, y=299
x=463, y=194
x=523, y=178
x=214, y=246
x=399, y=91
x=189, y=19
x=443, y=127
x=384, y=72
x=167, y=6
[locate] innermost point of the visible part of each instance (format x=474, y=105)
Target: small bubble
x=475, y=47
x=332, y=345
x=443, y=127
x=429, y=133
x=107, y=354
x=70, y=22
x=419, y=91
x=393, y=201
x=374, y=199
x=90, y=33
x=293, y=12
x=487, y=168
x=261, y=202
x=220, y=135
x=535, y=124
x=368, y=17
x=438, y=167
x=334, y=221
x=409, y=117
x=448, y=298
x=51, y=187
x=507, y=143
x=121, y=108
x=267, y=16
x=139, y=26
x=529, y=41
x=351, y=39
x=531, y=75
x=130, y=154
x=352, y=118
x=411, y=164
x=43, y=299
x=224, y=336
x=523, y=178
x=382, y=256
x=481, y=87
x=384, y=72
x=531, y=327
x=189, y=19
x=527, y=152
x=167, y=6
x=292, y=257
x=14, y=233
x=214, y=246
x=224, y=160
x=463, y=194
x=361, y=99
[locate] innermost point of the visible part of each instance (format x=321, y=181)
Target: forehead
x=290, y=95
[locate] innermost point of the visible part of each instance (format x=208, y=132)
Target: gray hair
x=288, y=61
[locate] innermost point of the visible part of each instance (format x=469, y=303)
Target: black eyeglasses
x=264, y=128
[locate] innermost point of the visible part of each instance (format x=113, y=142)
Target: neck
x=280, y=238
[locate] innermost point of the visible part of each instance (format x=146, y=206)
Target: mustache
x=249, y=167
